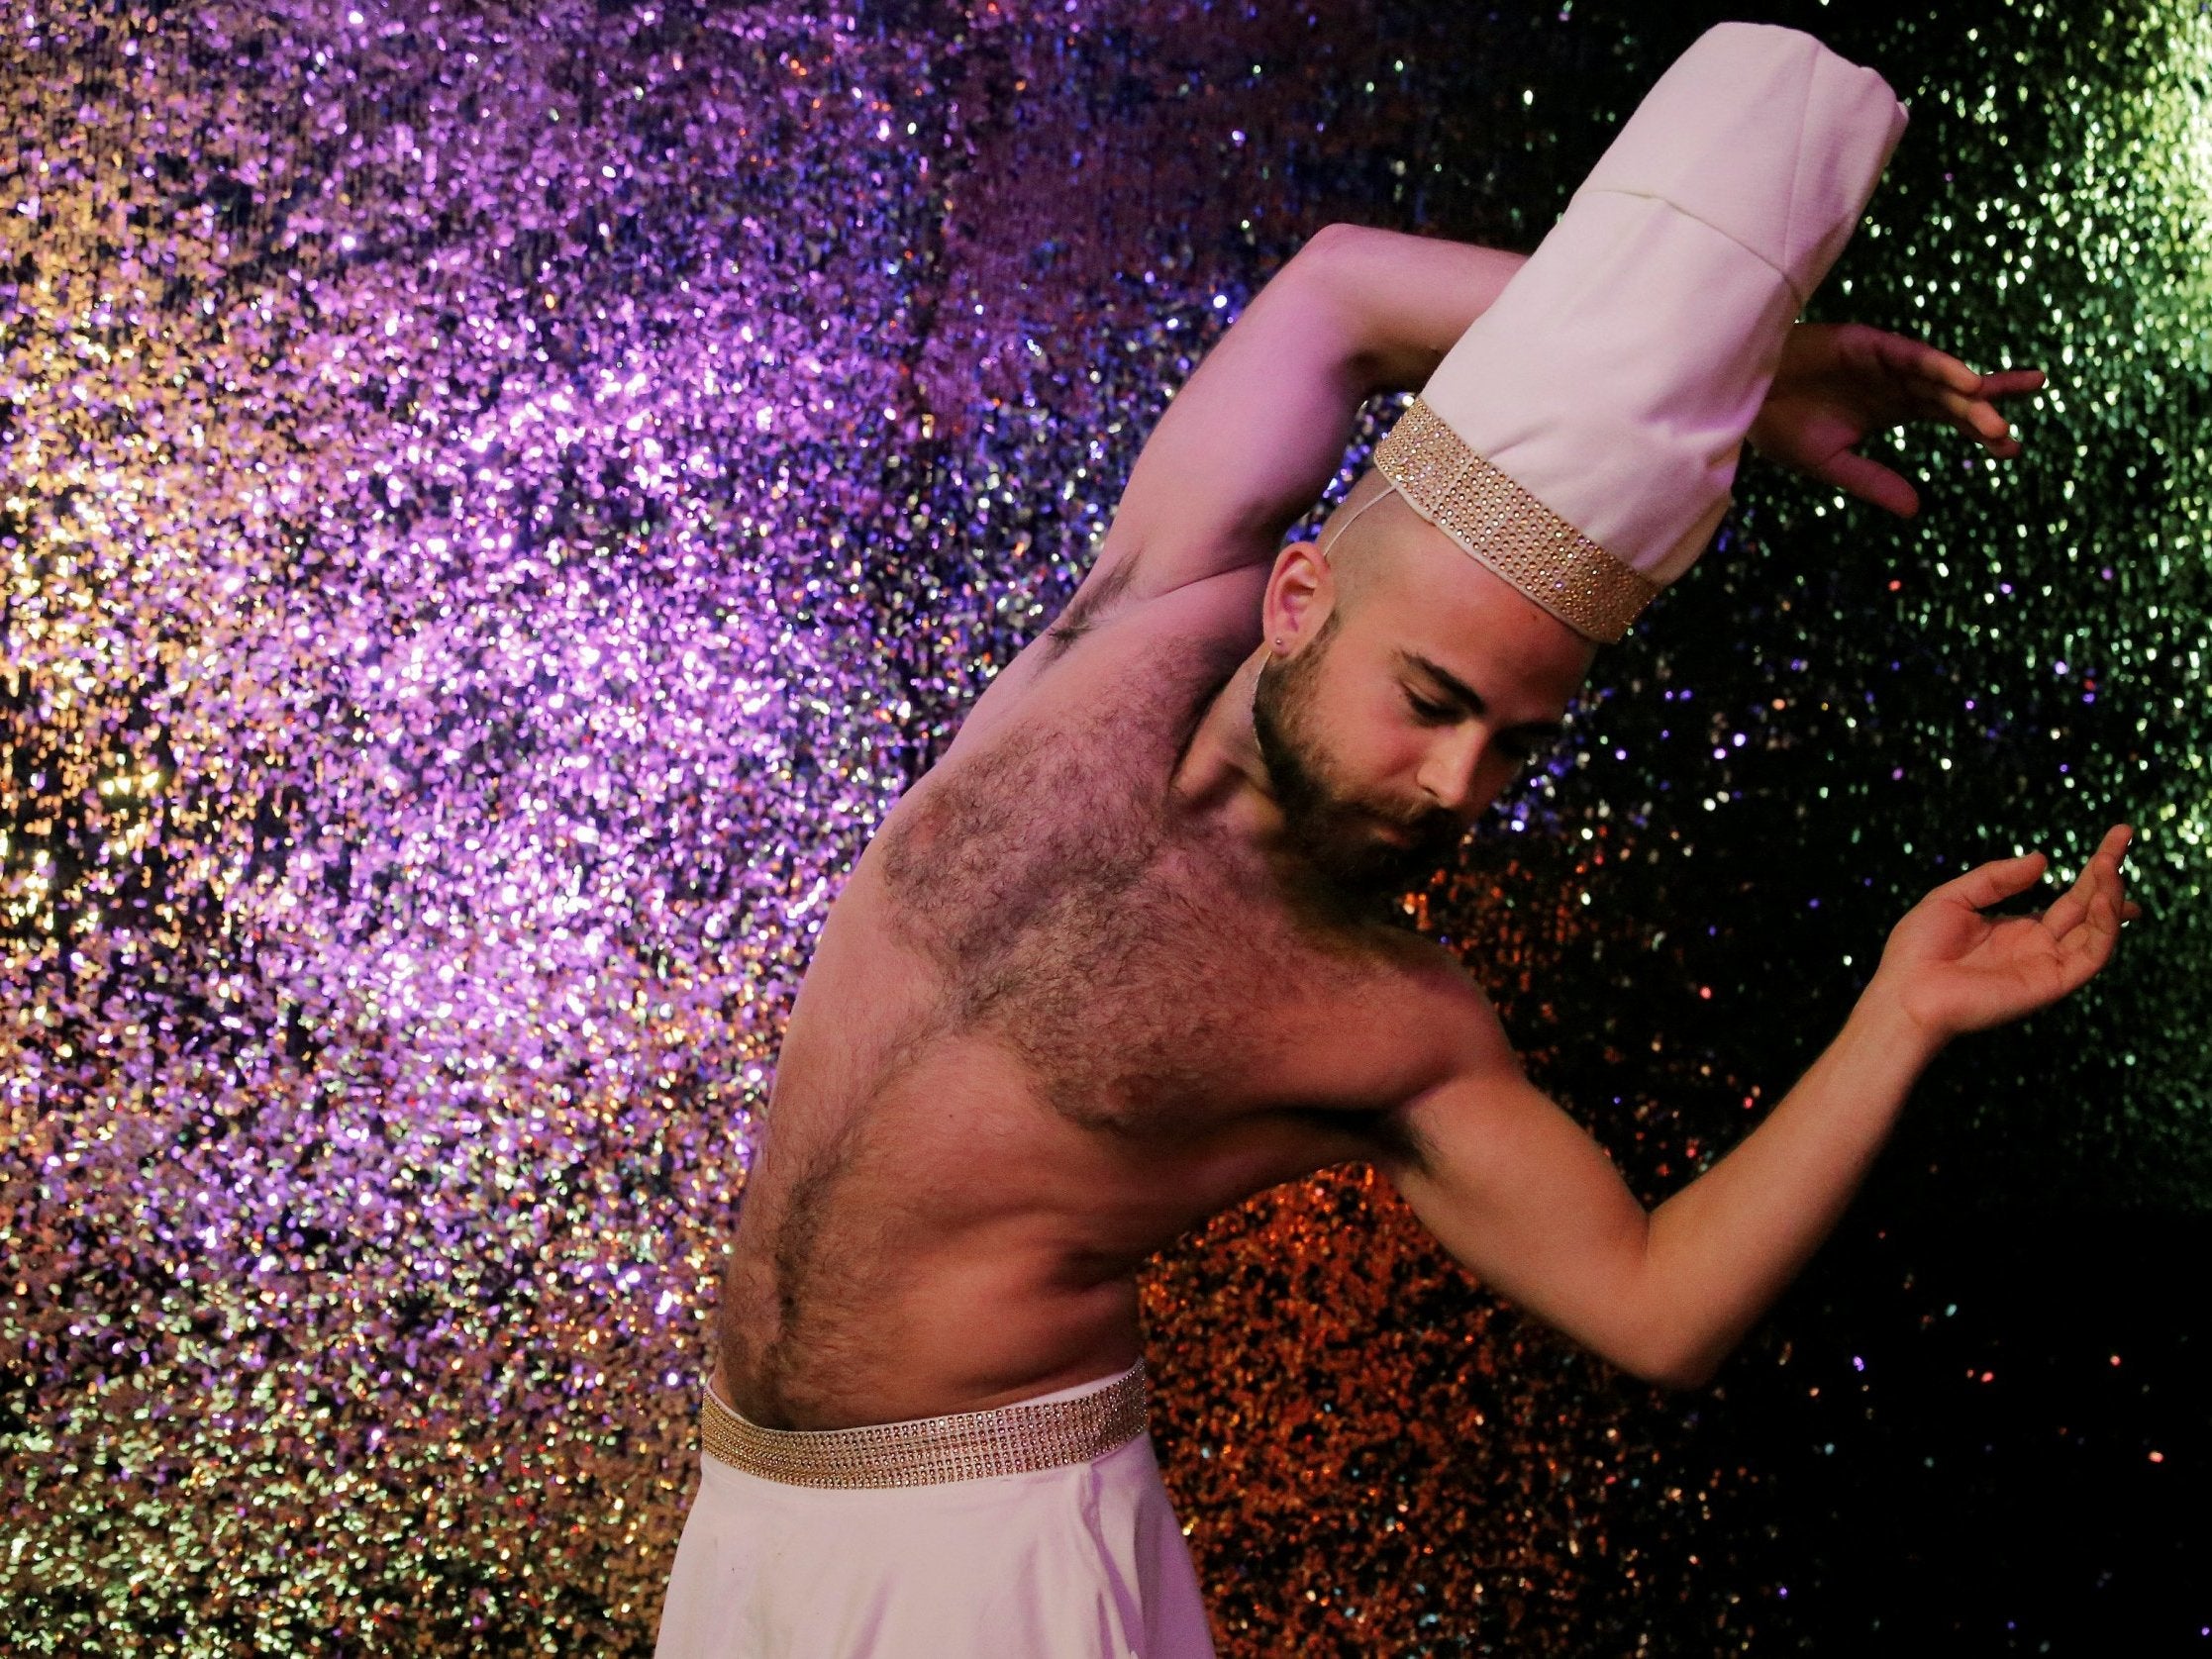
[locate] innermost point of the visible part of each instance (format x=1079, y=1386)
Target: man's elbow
x=1666, y=1332
x=1338, y=234
x=1330, y=280
x=1682, y=1375
x=1341, y=261
x=1672, y=1363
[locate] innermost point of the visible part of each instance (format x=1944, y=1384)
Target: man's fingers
x=2110, y=852
x=1900, y=356
x=1990, y=423
x=1969, y=400
x=2011, y=382
x=2074, y=904
x=1938, y=366
x=1954, y=377
x=2102, y=932
x=1985, y=884
x=2096, y=895
x=1961, y=407
x=1976, y=416
x=1870, y=480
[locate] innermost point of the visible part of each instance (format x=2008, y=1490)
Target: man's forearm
x=1410, y=298
x=1253, y=439
x=1722, y=1248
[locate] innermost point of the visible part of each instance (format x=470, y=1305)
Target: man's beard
x=1333, y=831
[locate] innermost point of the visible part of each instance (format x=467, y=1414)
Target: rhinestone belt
x=924, y=1451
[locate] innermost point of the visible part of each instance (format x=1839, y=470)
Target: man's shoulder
x=1472, y=1036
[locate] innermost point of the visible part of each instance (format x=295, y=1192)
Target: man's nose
x=1450, y=770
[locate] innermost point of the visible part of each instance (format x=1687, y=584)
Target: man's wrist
x=1883, y=1017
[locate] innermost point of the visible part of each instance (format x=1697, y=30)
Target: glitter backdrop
x=496, y=503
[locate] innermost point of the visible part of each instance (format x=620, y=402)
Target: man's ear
x=1301, y=592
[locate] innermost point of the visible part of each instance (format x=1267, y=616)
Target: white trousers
x=1084, y=1561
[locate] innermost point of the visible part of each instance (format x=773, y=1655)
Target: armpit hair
x=1399, y=1140
x=1083, y=612
x=1391, y=1137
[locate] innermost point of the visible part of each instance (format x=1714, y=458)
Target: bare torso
x=1057, y=1016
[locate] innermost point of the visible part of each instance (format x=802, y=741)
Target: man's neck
x=1221, y=776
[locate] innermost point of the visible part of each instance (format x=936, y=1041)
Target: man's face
x=1403, y=715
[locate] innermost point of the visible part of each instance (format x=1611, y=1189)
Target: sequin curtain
x=496, y=501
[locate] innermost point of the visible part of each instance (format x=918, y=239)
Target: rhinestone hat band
x=967, y=1447
x=1509, y=530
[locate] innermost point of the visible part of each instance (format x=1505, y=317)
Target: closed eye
x=1520, y=749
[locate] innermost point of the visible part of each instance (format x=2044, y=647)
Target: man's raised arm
x=1252, y=438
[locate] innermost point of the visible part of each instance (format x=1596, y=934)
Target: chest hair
x=1125, y=954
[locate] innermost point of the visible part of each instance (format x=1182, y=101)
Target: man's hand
x=1838, y=383
x=1950, y=969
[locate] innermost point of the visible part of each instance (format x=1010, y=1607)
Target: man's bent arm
x=1721, y=1249
x=1253, y=438
x=1529, y=1203
x=1411, y=298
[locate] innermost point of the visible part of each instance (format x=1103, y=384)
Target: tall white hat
x=1582, y=438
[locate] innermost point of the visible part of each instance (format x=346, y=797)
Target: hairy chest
x=1145, y=971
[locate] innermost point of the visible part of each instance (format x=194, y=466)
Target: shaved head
x=1357, y=541
x=1404, y=685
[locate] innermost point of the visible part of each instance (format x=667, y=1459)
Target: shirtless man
x=1126, y=955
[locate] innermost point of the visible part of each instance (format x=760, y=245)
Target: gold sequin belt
x=925, y=1451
